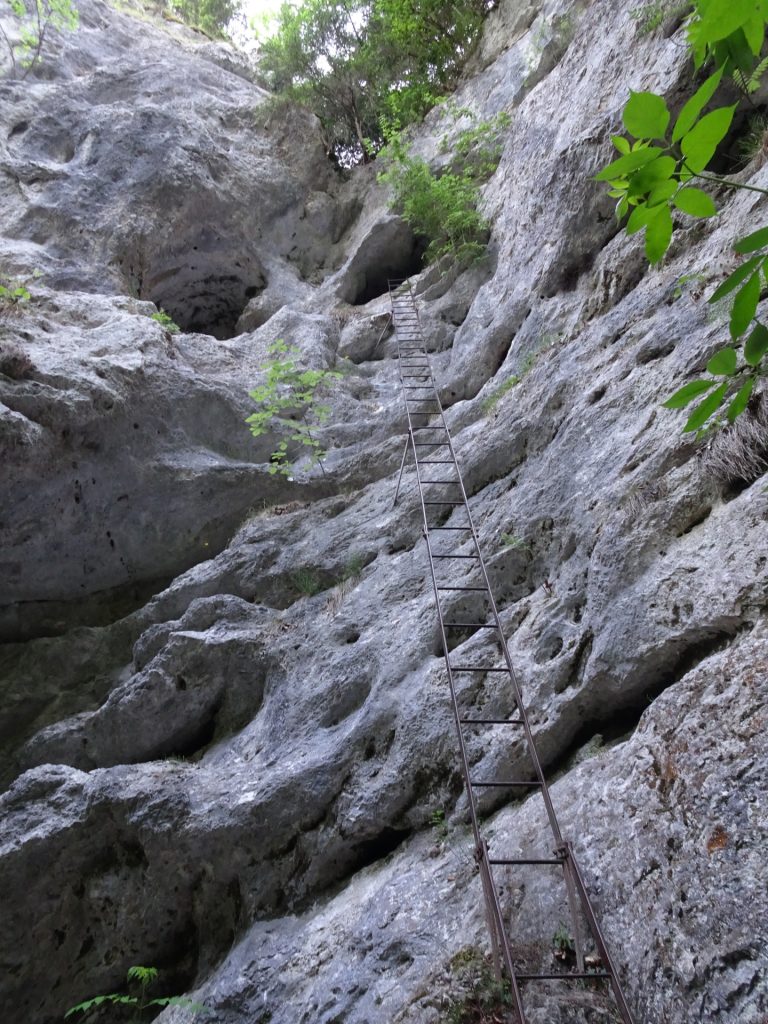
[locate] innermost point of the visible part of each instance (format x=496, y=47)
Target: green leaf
x=695, y=105
x=720, y=18
x=734, y=280
x=695, y=202
x=648, y=177
x=177, y=1001
x=687, y=393
x=646, y=116
x=662, y=192
x=702, y=140
x=621, y=144
x=740, y=402
x=626, y=164
x=658, y=234
x=722, y=363
x=752, y=242
x=754, y=32
x=639, y=218
x=756, y=345
x=99, y=1000
x=705, y=409
x=744, y=306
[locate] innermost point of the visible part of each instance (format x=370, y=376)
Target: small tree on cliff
x=35, y=20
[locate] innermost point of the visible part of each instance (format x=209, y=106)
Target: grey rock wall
x=234, y=779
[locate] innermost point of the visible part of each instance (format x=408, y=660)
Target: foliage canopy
x=353, y=61
x=212, y=16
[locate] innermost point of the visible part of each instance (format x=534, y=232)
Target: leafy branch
x=144, y=977
x=653, y=176
x=289, y=407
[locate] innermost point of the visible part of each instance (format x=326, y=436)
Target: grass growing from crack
x=306, y=582
x=349, y=579
x=476, y=996
x=490, y=403
x=511, y=540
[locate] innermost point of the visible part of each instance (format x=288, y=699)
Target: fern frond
x=754, y=79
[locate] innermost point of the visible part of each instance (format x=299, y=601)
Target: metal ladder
x=430, y=443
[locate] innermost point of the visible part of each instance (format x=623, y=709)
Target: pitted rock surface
x=226, y=739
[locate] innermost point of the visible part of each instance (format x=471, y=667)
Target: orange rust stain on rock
x=718, y=840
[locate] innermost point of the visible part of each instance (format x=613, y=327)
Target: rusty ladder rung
x=491, y=721
x=505, y=783
x=562, y=976
x=558, y=861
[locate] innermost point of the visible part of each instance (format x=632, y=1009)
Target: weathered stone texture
x=232, y=776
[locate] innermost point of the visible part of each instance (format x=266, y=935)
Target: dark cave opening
x=203, y=281
x=375, y=280
x=377, y=848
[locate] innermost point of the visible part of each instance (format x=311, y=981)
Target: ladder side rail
x=598, y=936
x=572, y=873
x=508, y=958
x=489, y=888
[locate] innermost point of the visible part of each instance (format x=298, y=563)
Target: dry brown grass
x=738, y=454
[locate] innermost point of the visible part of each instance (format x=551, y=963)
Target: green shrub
x=289, y=407
x=212, y=16
x=442, y=210
x=442, y=207
x=162, y=318
x=13, y=293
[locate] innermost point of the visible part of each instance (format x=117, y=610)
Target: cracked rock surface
x=225, y=728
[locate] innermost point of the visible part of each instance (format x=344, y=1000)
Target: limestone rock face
x=225, y=729
x=131, y=175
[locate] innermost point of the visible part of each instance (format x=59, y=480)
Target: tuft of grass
x=165, y=321
x=306, y=582
x=353, y=569
x=754, y=142
x=511, y=540
x=349, y=579
x=653, y=14
x=738, y=452
x=475, y=995
x=490, y=403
